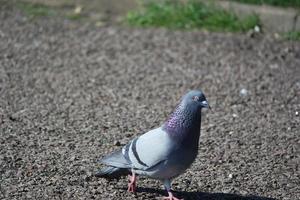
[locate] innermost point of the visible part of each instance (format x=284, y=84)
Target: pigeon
x=164, y=152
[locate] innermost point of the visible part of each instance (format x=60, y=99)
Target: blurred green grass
x=282, y=3
x=293, y=35
x=189, y=15
x=35, y=9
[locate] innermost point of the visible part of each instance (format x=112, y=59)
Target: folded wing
x=143, y=152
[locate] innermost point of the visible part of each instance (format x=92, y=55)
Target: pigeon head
x=186, y=117
x=195, y=99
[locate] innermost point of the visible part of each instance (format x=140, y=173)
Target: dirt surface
x=70, y=93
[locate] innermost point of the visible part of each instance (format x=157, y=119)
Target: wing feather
x=150, y=149
x=116, y=159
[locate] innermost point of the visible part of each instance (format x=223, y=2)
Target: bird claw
x=131, y=187
x=171, y=197
x=132, y=184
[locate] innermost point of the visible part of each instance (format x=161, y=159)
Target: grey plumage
x=117, y=166
x=165, y=152
x=112, y=172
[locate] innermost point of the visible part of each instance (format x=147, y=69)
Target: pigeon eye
x=195, y=98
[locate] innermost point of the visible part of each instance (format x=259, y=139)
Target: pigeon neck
x=184, y=121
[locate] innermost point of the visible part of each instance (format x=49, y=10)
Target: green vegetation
x=74, y=16
x=35, y=10
x=189, y=15
x=40, y=10
x=293, y=35
x=282, y=3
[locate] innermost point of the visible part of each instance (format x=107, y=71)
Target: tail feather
x=116, y=159
x=112, y=172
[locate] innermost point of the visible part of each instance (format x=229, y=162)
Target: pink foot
x=171, y=197
x=132, y=183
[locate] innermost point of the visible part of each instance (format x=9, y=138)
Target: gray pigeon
x=162, y=153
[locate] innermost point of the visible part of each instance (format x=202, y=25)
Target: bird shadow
x=202, y=195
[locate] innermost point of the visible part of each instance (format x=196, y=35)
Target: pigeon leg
x=167, y=184
x=171, y=197
x=132, y=183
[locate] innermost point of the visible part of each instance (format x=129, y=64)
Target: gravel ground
x=71, y=92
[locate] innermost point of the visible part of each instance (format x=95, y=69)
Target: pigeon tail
x=116, y=159
x=112, y=172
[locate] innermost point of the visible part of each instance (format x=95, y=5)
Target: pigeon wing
x=143, y=152
x=149, y=149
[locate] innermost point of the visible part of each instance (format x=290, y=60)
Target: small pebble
x=128, y=135
x=257, y=29
x=230, y=176
x=274, y=66
x=73, y=158
x=78, y=10
x=276, y=36
x=243, y=92
x=296, y=113
x=117, y=143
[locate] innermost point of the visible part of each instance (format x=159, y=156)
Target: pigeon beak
x=205, y=104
